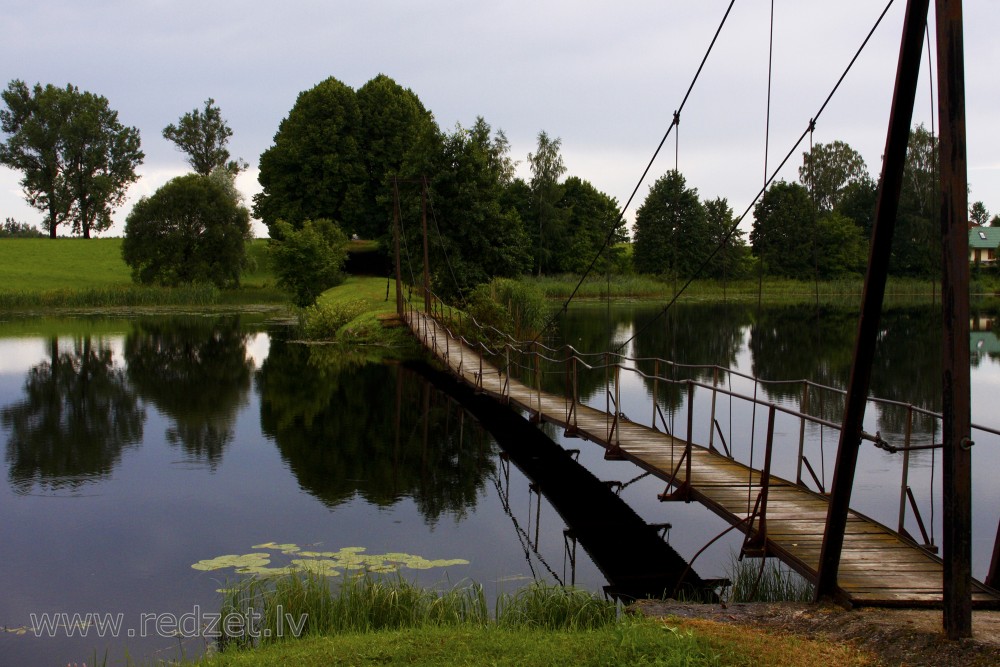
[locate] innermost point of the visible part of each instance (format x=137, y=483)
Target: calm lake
x=135, y=449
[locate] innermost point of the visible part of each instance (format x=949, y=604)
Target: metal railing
x=496, y=354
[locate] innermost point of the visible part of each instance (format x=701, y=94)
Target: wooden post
x=957, y=423
x=395, y=243
x=423, y=224
x=886, y=207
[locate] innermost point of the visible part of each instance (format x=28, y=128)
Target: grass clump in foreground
x=766, y=580
x=369, y=620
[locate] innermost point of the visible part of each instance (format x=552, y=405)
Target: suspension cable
x=788, y=155
x=621, y=214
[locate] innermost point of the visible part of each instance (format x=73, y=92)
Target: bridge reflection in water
x=786, y=519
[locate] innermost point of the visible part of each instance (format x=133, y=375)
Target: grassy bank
x=770, y=290
x=90, y=273
x=372, y=620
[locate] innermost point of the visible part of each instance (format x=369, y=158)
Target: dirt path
x=896, y=636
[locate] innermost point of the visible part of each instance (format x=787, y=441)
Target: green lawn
x=49, y=264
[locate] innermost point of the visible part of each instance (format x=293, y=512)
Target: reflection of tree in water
x=194, y=370
x=691, y=335
x=77, y=416
x=335, y=425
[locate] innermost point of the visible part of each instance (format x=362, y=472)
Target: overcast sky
x=604, y=77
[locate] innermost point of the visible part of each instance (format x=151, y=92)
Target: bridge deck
x=878, y=566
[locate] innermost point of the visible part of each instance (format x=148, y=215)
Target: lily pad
x=233, y=560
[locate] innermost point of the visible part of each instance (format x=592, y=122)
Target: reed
x=767, y=580
x=370, y=602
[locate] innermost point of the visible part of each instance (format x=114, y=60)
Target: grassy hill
x=46, y=272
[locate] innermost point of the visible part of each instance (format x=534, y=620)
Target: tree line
x=348, y=162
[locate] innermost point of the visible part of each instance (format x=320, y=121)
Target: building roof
x=984, y=237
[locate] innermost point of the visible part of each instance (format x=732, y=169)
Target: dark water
x=134, y=449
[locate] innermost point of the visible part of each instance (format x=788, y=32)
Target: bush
x=514, y=307
x=191, y=230
x=322, y=321
x=308, y=260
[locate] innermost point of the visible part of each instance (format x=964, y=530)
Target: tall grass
x=371, y=602
x=771, y=290
x=766, y=580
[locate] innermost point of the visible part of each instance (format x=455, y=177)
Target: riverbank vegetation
x=367, y=620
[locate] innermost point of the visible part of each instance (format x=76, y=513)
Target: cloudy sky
x=604, y=77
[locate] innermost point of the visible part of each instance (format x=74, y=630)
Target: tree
x=995, y=221
x=590, y=215
x=315, y=168
x=77, y=158
x=731, y=260
x=478, y=234
x=190, y=230
x=784, y=231
x=203, y=135
x=546, y=168
x=916, y=243
x=978, y=214
x=308, y=260
x=671, y=235
x=841, y=250
x=394, y=124
x=830, y=168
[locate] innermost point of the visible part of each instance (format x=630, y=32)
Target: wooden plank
x=877, y=566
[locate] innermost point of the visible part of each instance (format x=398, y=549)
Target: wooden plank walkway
x=878, y=566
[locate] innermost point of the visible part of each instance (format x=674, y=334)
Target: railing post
x=607, y=401
x=656, y=382
x=576, y=392
x=802, y=433
x=618, y=405
x=690, y=432
x=905, y=475
x=711, y=420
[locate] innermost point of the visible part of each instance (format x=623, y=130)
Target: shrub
x=191, y=230
x=308, y=260
x=511, y=306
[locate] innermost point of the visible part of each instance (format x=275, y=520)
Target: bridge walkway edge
x=879, y=567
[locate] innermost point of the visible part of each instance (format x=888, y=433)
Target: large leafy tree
x=190, y=230
x=315, y=169
x=478, y=234
x=547, y=167
x=671, y=234
x=77, y=159
x=732, y=257
x=590, y=216
x=916, y=243
x=203, y=135
x=395, y=126
x=784, y=231
x=828, y=169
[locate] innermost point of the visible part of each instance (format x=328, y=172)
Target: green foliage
x=395, y=130
x=916, y=242
x=77, y=159
x=546, y=193
x=671, y=233
x=477, y=233
x=203, y=135
x=190, y=230
x=978, y=214
x=732, y=260
x=314, y=170
x=514, y=307
x=828, y=169
x=766, y=580
x=841, y=248
x=310, y=259
x=12, y=229
x=322, y=321
x=590, y=215
x=784, y=231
